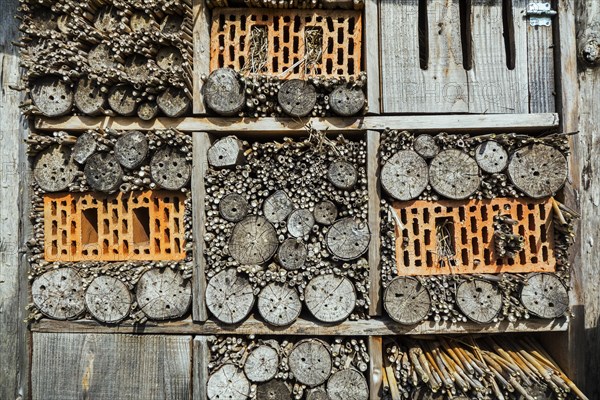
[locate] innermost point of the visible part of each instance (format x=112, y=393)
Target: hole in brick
x=54, y=227
x=141, y=225
x=157, y=245
x=427, y=237
x=444, y=231
x=543, y=236
x=473, y=225
x=511, y=261
x=54, y=248
x=232, y=51
x=403, y=216
x=286, y=55
x=499, y=262
x=105, y=246
x=286, y=34
x=351, y=25
x=417, y=248
x=275, y=64
x=243, y=22
x=486, y=256
x=544, y=253
x=63, y=217
x=297, y=23
x=484, y=213
x=484, y=234
x=534, y=260
x=125, y=247
x=465, y=256
x=429, y=259
x=463, y=236
x=105, y=227
x=340, y=56
x=531, y=219
x=330, y=24
x=415, y=227
x=475, y=246
x=522, y=259
x=532, y=244
x=89, y=226
x=519, y=211
x=406, y=259
x=115, y=216
x=177, y=245
x=125, y=225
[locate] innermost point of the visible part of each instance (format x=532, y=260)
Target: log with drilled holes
x=262, y=364
x=346, y=100
x=229, y=296
x=89, y=97
x=226, y=152
x=310, y=362
x=348, y=238
x=330, y=298
x=405, y=175
x=253, y=241
x=481, y=301
x=426, y=146
x=131, y=149
x=454, y=174
x=545, y=296
x=108, y=299
x=342, y=174
x=85, y=146
x=491, y=156
x=59, y=294
x=292, y=254
x=163, y=294
x=173, y=102
x=52, y=96
x=223, y=92
x=407, y=301
x=103, y=172
x=538, y=170
x=54, y=168
x=169, y=168
x=325, y=212
x=300, y=223
x=348, y=384
x=273, y=390
x=122, y=100
x=228, y=383
x=297, y=98
x=147, y=110
x=279, y=304
x=277, y=207
x=233, y=207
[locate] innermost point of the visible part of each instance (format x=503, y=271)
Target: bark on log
x=425, y=146
x=229, y=296
x=121, y=100
x=491, y=157
x=228, y=383
x=163, y=294
x=545, y=296
x=277, y=207
x=348, y=384
x=253, y=241
x=348, y=239
x=103, y=172
x=89, y=99
x=479, y=300
x=292, y=254
x=169, y=168
x=147, y=110
x=300, y=223
x=52, y=96
x=297, y=98
x=84, y=147
x=233, y=207
x=59, y=294
x=131, y=149
x=325, y=212
x=173, y=102
x=262, y=364
x=330, y=298
x=405, y=175
x=226, y=152
x=407, y=301
x=342, y=175
x=273, y=390
x=169, y=57
x=310, y=362
x=279, y=304
x=538, y=170
x=223, y=92
x=346, y=101
x=454, y=174
x=108, y=299
x=54, y=169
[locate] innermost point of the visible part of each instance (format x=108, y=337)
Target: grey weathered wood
x=454, y=174
x=273, y=390
x=277, y=207
x=405, y=175
x=346, y=100
x=68, y=366
x=108, y=299
x=173, y=102
x=540, y=60
x=297, y=98
x=169, y=168
x=200, y=142
x=374, y=219
x=348, y=239
x=538, y=170
x=137, y=69
x=59, y=293
x=163, y=294
x=88, y=97
x=348, y=384
x=292, y=254
x=253, y=241
x=375, y=367
x=491, y=157
x=318, y=393
x=103, y=172
x=122, y=100
x=229, y=296
x=169, y=57
x=147, y=110
x=141, y=21
x=223, y=92
x=54, y=169
x=325, y=212
x=407, y=301
x=226, y=152
x=279, y=304
x=201, y=359
x=201, y=43
x=342, y=175
x=481, y=301
x=371, y=36
x=233, y=207
x=84, y=147
x=545, y=295
x=262, y=364
x=228, y=382
x=310, y=362
x=107, y=19
x=131, y=149
x=52, y=96
x=426, y=146
x=330, y=298
x=100, y=58
x=172, y=23
x=300, y=223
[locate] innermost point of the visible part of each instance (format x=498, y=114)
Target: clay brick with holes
x=457, y=237
x=95, y=227
x=337, y=33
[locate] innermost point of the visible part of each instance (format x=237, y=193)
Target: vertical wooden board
x=371, y=46
x=201, y=36
x=200, y=360
x=540, y=62
x=493, y=87
x=107, y=367
x=200, y=145
x=375, y=367
x=373, y=187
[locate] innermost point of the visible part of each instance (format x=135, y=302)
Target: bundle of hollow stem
x=496, y=367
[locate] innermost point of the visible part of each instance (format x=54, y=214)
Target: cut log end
x=228, y=383
x=52, y=96
x=226, y=152
x=103, y=172
x=229, y=296
x=348, y=239
x=173, y=102
x=84, y=147
x=292, y=254
x=54, y=169
x=169, y=168
x=346, y=100
x=89, y=99
x=147, y=110
x=330, y=298
x=405, y=175
x=171, y=300
x=545, y=296
x=233, y=207
x=538, y=170
x=426, y=146
x=479, y=300
x=273, y=390
x=262, y=364
x=108, y=299
x=297, y=98
x=131, y=149
x=59, y=294
x=342, y=175
x=348, y=384
x=122, y=100
x=279, y=304
x=491, y=157
x=223, y=93
x=277, y=207
x=310, y=362
x=300, y=223
x=253, y=241
x=407, y=301
x=325, y=212
x=454, y=174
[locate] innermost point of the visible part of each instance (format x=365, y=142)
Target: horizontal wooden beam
x=302, y=327
x=498, y=123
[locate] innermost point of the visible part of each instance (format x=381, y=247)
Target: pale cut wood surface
x=201, y=358
x=540, y=61
x=375, y=367
x=287, y=126
x=371, y=42
x=201, y=33
x=310, y=362
x=69, y=366
x=374, y=220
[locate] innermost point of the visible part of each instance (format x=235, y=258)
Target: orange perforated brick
x=457, y=237
x=338, y=34
x=96, y=227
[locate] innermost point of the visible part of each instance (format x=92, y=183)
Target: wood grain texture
x=201, y=358
x=371, y=48
x=375, y=367
x=74, y=366
x=374, y=221
x=201, y=34
x=540, y=64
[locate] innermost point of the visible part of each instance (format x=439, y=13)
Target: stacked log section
x=59, y=294
x=285, y=215
x=163, y=294
x=108, y=299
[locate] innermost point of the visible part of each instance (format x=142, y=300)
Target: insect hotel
x=299, y=199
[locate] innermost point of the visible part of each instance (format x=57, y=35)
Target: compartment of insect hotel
x=111, y=222
x=285, y=230
x=277, y=368
x=470, y=227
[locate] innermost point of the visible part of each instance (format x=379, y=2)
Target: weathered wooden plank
x=371, y=46
x=200, y=144
x=80, y=366
x=374, y=222
x=375, y=367
x=201, y=34
x=302, y=327
x=493, y=87
x=201, y=358
x=14, y=337
x=261, y=126
x=540, y=61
